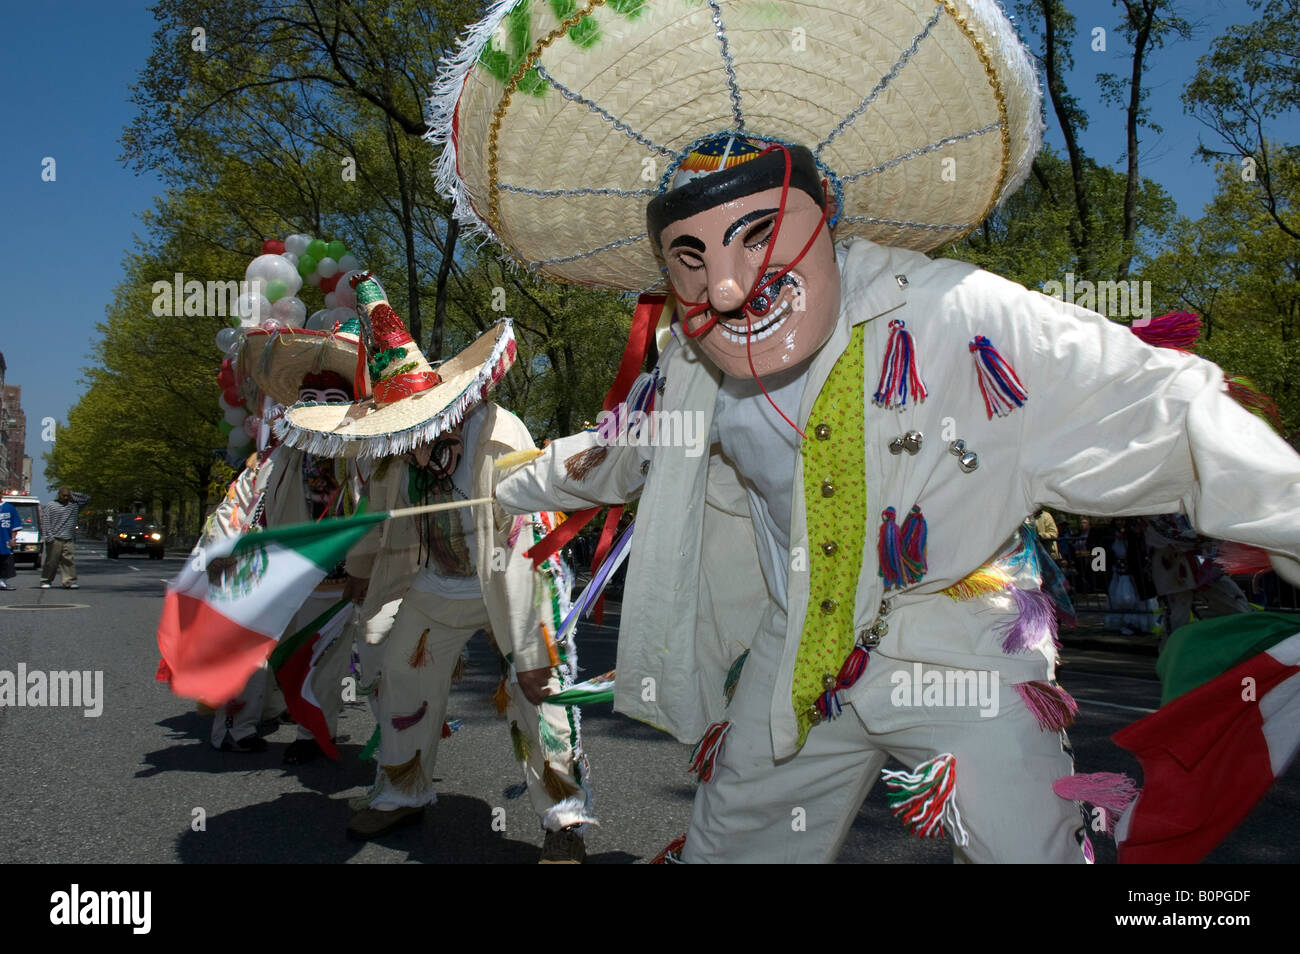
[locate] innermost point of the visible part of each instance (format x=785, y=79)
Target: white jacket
x=1111, y=427
x=515, y=594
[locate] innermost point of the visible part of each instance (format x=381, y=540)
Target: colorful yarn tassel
x=1178, y=330
x=1052, y=706
x=458, y=671
x=1243, y=391
x=1113, y=792
x=672, y=853
x=828, y=703
x=420, y=656
x=914, y=535
x=1240, y=559
x=518, y=743
x=368, y=752
x=899, y=377
x=406, y=721
x=889, y=549
x=407, y=777
x=999, y=384
x=501, y=697
x=453, y=726
x=706, y=751
x=514, y=791
x=925, y=799
x=555, y=785
x=987, y=579
x=733, y=677
x=551, y=744
x=579, y=466
x=1035, y=622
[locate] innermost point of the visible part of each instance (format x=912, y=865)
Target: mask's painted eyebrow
x=743, y=221
x=688, y=241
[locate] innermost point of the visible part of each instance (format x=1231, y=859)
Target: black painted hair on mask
x=756, y=175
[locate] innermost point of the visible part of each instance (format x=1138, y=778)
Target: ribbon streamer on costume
x=585, y=603
x=594, y=690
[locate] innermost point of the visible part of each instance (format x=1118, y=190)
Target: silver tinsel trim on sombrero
x=988, y=37
x=442, y=110
x=375, y=446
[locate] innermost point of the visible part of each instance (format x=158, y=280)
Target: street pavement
x=128, y=785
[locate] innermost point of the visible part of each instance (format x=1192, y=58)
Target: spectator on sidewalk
x=59, y=517
x=10, y=524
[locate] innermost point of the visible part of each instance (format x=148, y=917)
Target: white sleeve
x=1116, y=427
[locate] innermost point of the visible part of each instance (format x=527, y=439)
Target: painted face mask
x=751, y=261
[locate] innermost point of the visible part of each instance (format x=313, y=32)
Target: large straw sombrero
x=278, y=360
x=410, y=403
x=557, y=129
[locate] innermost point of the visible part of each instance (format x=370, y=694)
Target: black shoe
x=301, y=751
x=372, y=823
x=563, y=847
x=253, y=743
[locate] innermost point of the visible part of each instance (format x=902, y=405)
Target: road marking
x=1112, y=705
x=135, y=568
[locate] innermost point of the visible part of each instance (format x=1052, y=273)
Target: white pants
x=800, y=810
x=403, y=689
x=259, y=701
x=1223, y=597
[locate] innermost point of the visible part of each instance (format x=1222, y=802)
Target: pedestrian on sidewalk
x=10, y=524
x=60, y=519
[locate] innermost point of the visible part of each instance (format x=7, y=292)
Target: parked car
x=135, y=533
x=29, y=543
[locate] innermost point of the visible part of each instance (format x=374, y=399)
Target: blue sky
x=66, y=68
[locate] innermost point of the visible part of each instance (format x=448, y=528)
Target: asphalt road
x=125, y=786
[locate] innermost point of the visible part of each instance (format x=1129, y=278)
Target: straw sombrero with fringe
x=409, y=402
x=560, y=120
x=278, y=361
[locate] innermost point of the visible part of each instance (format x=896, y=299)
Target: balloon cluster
x=274, y=280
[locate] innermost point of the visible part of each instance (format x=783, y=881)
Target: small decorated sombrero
x=409, y=402
x=278, y=361
x=560, y=120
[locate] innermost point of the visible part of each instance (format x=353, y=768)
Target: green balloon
x=336, y=249
x=226, y=427
x=306, y=265
x=317, y=249
x=276, y=289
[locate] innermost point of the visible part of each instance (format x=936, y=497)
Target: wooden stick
x=430, y=508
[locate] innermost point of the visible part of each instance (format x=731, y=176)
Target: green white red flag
x=294, y=662
x=224, y=613
x=1227, y=727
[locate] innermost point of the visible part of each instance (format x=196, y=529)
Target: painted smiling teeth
x=771, y=328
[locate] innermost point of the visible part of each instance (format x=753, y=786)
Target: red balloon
x=327, y=284
x=232, y=397
x=226, y=376
x=272, y=247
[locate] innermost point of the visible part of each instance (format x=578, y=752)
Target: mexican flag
x=225, y=611
x=294, y=661
x=1228, y=725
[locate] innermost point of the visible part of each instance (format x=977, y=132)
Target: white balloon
x=269, y=268
x=332, y=300
x=290, y=312
x=235, y=415
x=297, y=243
x=349, y=263
x=270, y=324
x=227, y=340
x=344, y=293
x=327, y=267
x=252, y=309
x=319, y=321
x=291, y=258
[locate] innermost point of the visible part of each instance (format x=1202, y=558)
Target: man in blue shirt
x=10, y=522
